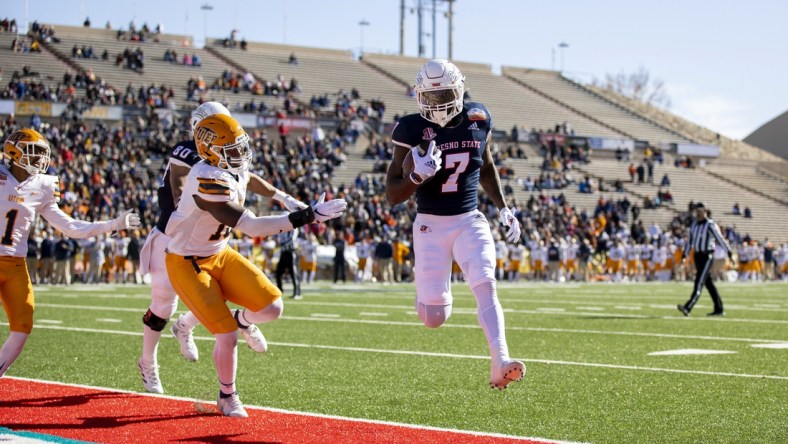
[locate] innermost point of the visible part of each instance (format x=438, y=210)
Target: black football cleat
x=683, y=310
x=716, y=313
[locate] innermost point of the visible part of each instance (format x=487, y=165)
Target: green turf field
x=360, y=351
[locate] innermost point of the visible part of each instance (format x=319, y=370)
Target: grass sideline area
x=360, y=351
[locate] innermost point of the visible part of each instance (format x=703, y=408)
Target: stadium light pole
x=563, y=45
x=205, y=7
x=363, y=23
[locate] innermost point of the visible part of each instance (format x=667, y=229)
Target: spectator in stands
x=641, y=172
x=747, y=213
x=293, y=60
x=665, y=181
x=650, y=168
x=86, y=23
x=735, y=210
x=243, y=44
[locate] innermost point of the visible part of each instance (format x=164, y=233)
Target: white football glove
x=290, y=202
x=508, y=220
x=426, y=166
x=328, y=210
x=126, y=220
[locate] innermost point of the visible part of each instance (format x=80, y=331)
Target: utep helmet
x=28, y=149
x=439, y=89
x=222, y=142
x=205, y=110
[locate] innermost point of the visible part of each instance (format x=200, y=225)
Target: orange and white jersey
x=19, y=204
x=363, y=250
x=516, y=252
x=501, y=250
x=633, y=252
x=660, y=257
x=195, y=232
x=309, y=251
x=570, y=252
x=120, y=246
x=616, y=253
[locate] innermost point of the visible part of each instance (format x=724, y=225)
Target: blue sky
x=723, y=62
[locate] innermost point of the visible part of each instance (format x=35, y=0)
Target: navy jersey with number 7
x=453, y=190
x=184, y=154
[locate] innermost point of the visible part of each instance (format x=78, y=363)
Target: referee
x=703, y=237
x=287, y=262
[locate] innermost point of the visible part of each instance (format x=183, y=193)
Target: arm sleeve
x=263, y=225
x=72, y=227
x=401, y=137
x=718, y=235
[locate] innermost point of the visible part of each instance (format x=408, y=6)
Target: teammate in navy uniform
x=164, y=300
x=446, y=178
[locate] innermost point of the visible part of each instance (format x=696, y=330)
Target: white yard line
x=419, y=324
x=446, y=355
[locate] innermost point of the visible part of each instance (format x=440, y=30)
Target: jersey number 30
x=460, y=161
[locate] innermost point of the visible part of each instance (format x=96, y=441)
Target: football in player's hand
x=407, y=164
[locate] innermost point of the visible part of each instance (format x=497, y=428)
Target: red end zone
x=102, y=415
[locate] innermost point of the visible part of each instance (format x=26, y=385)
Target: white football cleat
x=186, y=339
x=231, y=406
x=510, y=371
x=254, y=338
x=150, y=377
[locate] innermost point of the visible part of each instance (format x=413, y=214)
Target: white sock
x=150, y=345
x=490, y=317
x=305, y=277
x=11, y=349
x=225, y=358
x=188, y=321
x=311, y=277
x=267, y=314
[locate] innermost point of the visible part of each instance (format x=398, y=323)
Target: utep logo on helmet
x=429, y=134
x=205, y=135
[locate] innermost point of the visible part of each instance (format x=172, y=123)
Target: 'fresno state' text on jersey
x=454, y=189
x=184, y=154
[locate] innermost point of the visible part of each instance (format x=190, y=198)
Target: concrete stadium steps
x=718, y=195
x=509, y=103
x=50, y=68
x=322, y=71
x=156, y=70
x=565, y=91
x=749, y=176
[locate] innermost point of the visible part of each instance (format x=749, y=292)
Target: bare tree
x=638, y=86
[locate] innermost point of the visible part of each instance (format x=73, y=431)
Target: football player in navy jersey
x=446, y=177
x=164, y=300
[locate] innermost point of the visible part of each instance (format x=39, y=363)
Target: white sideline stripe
x=419, y=324
x=49, y=321
x=446, y=355
x=371, y=313
x=469, y=311
x=325, y=315
x=299, y=413
x=778, y=346
x=590, y=308
x=110, y=320
x=690, y=351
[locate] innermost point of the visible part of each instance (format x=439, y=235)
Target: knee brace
x=433, y=316
x=154, y=322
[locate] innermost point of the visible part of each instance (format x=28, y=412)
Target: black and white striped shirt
x=704, y=236
x=286, y=240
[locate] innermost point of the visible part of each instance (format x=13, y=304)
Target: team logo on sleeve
x=476, y=114
x=425, y=229
x=428, y=134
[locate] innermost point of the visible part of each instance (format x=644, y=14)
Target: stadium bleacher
x=525, y=98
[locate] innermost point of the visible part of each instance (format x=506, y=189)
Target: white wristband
x=279, y=196
x=415, y=178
